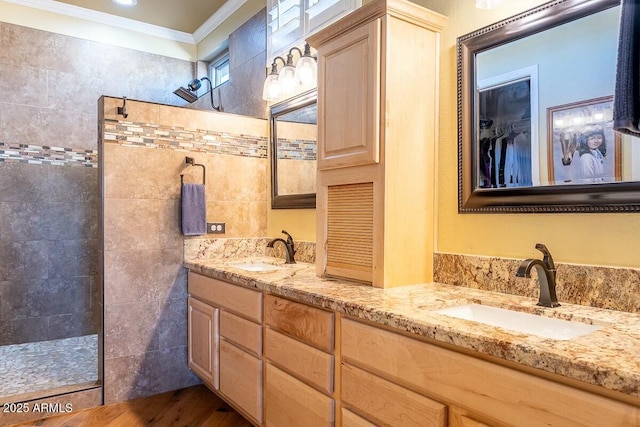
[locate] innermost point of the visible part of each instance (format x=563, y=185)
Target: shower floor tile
x=38, y=366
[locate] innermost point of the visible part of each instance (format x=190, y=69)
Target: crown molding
x=221, y=15
x=108, y=19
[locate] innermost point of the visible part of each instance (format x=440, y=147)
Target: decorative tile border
x=45, y=155
x=178, y=138
x=297, y=149
x=595, y=286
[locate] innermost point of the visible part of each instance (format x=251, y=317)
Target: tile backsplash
x=198, y=248
x=596, y=286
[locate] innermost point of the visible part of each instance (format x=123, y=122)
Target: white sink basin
x=255, y=266
x=547, y=327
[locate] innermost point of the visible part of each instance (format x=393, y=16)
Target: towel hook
x=123, y=110
x=191, y=161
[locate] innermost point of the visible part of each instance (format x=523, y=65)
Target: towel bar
x=190, y=161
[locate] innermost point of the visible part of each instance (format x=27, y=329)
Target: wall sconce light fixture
x=291, y=77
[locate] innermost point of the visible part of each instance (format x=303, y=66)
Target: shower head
x=186, y=94
x=195, y=84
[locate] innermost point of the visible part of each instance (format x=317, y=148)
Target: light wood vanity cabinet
x=299, y=380
x=377, y=127
x=225, y=320
x=331, y=370
x=477, y=392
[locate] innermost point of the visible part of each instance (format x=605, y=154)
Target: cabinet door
x=241, y=379
x=349, y=98
x=203, y=341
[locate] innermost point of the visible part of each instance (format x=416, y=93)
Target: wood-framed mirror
x=294, y=152
x=534, y=91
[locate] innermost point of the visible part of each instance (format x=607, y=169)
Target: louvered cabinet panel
x=350, y=230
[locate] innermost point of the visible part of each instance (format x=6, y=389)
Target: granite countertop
x=608, y=357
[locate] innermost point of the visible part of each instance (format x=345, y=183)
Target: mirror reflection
x=294, y=151
x=554, y=86
x=536, y=119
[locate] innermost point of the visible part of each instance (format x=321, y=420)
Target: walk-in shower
x=50, y=298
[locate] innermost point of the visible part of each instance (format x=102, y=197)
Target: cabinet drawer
x=388, y=403
x=500, y=394
x=303, y=361
x=242, y=332
x=244, y=302
x=288, y=401
x=241, y=379
x=349, y=419
x=308, y=324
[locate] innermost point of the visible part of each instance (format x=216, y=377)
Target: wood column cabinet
x=299, y=380
x=377, y=130
x=225, y=342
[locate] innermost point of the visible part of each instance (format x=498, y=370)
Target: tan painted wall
x=88, y=30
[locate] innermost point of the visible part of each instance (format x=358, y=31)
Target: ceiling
x=180, y=15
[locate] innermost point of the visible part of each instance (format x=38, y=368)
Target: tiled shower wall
x=242, y=94
x=145, y=289
x=49, y=88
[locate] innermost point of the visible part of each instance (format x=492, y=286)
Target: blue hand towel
x=194, y=210
x=626, y=103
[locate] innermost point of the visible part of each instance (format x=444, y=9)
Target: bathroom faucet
x=288, y=244
x=546, y=276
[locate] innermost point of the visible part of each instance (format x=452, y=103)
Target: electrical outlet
x=215, y=227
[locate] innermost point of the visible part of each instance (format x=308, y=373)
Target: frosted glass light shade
x=307, y=71
x=288, y=81
x=271, y=88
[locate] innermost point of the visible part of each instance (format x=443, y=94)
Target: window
x=290, y=21
x=220, y=70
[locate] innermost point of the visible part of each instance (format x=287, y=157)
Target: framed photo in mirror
x=582, y=146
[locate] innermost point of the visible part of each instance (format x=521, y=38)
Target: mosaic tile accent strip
x=298, y=149
x=45, y=155
x=26, y=368
x=178, y=138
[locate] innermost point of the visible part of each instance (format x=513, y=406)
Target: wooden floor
x=189, y=407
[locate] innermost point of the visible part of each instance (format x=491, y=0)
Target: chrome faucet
x=546, y=276
x=288, y=244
